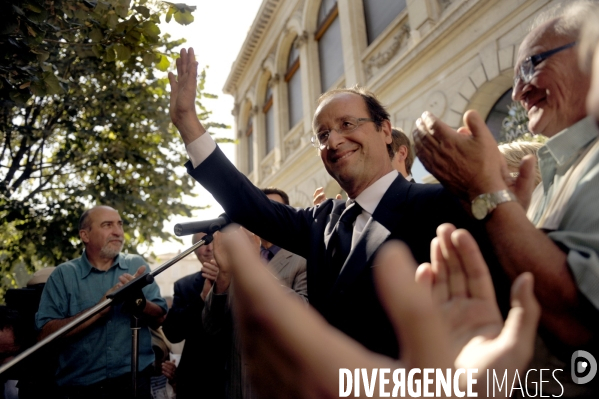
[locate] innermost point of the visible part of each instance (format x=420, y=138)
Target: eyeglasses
x=347, y=125
x=527, y=68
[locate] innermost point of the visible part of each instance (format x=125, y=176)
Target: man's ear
x=84, y=236
x=386, y=128
x=402, y=152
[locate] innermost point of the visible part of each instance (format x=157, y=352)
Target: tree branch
x=7, y=138
x=55, y=173
x=16, y=161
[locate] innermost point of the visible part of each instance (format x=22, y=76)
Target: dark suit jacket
x=408, y=212
x=201, y=371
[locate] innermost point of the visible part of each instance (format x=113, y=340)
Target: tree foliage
x=514, y=125
x=83, y=121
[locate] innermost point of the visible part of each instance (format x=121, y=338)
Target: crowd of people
x=496, y=269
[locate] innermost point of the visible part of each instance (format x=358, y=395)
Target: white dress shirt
x=369, y=199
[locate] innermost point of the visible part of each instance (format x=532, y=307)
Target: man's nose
x=335, y=138
x=519, y=89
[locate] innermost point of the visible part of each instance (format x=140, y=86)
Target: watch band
x=484, y=204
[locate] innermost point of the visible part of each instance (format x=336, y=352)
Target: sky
x=217, y=34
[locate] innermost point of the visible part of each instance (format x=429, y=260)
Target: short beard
x=108, y=253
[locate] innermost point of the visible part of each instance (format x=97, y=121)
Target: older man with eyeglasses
x=338, y=239
x=553, y=233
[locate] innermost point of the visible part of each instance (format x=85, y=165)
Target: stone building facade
x=445, y=56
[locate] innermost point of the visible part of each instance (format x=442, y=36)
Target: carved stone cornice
x=444, y=4
x=274, y=80
x=267, y=169
x=292, y=145
x=383, y=57
x=301, y=39
x=270, y=59
x=259, y=28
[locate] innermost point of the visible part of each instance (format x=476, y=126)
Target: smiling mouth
x=345, y=155
x=535, y=104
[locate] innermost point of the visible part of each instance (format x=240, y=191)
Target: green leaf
x=102, y=7
x=41, y=55
x=145, y=11
x=33, y=8
x=38, y=89
x=96, y=35
x=37, y=16
x=150, y=29
x=148, y=59
x=122, y=11
x=31, y=31
x=112, y=20
x=182, y=6
x=98, y=50
x=123, y=52
x=163, y=64
x=169, y=14
x=183, y=18
x=18, y=10
x=81, y=15
x=110, y=55
x=52, y=83
x=20, y=96
x=133, y=37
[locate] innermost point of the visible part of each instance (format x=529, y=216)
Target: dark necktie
x=345, y=229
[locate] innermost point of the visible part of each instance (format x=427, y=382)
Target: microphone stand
x=134, y=302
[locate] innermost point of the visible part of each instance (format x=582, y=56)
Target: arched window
x=328, y=36
x=294, y=87
x=269, y=121
x=507, y=119
x=379, y=14
x=249, y=134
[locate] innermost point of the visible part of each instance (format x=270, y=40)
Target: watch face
x=479, y=208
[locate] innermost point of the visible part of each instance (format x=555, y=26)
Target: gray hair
x=589, y=37
x=568, y=15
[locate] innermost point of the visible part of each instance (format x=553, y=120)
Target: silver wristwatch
x=484, y=204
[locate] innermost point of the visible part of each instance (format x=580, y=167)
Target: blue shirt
x=578, y=231
x=103, y=350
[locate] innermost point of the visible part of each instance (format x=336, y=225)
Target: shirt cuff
x=200, y=149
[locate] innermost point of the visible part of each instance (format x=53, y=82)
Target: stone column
x=279, y=110
x=310, y=73
x=353, y=39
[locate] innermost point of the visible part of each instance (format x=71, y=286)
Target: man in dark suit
x=338, y=239
x=200, y=373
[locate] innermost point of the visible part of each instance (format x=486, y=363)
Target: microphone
x=205, y=226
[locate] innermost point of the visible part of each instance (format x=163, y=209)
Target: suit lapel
x=385, y=219
x=373, y=236
x=279, y=261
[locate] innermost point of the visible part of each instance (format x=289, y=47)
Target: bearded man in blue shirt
x=94, y=360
